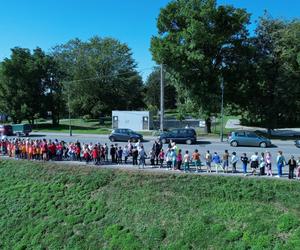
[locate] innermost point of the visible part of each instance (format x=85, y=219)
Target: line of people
x=172, y=158
x=259, y=164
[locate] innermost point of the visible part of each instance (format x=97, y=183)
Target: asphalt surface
x=204, y=143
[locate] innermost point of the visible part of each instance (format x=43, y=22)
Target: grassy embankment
x=52, y=207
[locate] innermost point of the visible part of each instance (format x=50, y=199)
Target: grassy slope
x=79, y=208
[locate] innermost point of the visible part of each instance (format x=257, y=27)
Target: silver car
x=248, y=138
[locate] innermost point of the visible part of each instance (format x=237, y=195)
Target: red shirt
x=78, y=150
x=95, y=153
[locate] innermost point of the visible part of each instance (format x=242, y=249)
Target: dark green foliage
x=152, y=91
x=50, y=206
x=200, y=42
x=29, y=86
x=269, y=94
x=100, y=76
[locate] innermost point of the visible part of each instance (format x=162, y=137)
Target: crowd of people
x=171, y=158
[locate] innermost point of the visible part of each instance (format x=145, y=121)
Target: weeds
x=49, y=206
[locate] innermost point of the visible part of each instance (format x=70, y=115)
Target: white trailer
x=135, y=120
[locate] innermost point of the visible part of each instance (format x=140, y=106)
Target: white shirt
x=254, y=158
x=234, y=159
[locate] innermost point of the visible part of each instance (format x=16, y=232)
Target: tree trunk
x=55, y=119
x=208, y=125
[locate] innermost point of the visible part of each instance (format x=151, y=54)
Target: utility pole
x=222, y=111
x=162, y=111
x=70, y=125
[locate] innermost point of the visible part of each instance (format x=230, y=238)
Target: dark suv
x=180, y=135
x=124, y=134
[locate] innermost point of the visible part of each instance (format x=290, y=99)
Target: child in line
x=179, y=159
x=234, y=160
x=208, y=159
x=245, y=161
x=126, y=153
x=217, y=161
x=196, y=160
x=169, y=159
x=152, y=157
x=119, y=155
x=161, y=157
x=298, y=169
x=186, y=159
x=173, y=157
x=268, y=160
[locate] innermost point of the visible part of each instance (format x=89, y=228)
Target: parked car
x=181, y=135
x=21, y=129
x=124, y=134
x=6, y=130
x=248, y=138
x=297, y=143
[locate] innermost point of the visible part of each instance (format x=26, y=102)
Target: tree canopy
x=198, y=42
x=269, y=95
x=26, y=91
x=100, y=75
x=152, y=91
x=202, y=43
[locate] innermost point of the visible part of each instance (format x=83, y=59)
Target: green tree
x=152, y=92
x=271, y=97
x=100, y=75
x=24, y=85
x=197, y=41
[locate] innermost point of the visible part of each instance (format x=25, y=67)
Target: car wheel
x=189, y=141
x=163, y=141
x=263, y=145
x=234, y=143
x=133, y=139
x=112, y=139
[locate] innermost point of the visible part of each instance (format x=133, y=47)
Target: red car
x=6, y=130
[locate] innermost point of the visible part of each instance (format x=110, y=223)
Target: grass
x=92, y=126
x=79, y=126
x=44, y=206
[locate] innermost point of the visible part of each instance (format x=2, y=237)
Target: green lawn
x=79, y=126
x=54, y=207
x=91, y=126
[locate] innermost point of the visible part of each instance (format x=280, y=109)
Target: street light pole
x=222, y=111
x=161, y=98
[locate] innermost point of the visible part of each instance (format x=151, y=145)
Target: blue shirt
x=216, y=159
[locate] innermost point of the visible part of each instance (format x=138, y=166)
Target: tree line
x=201, y=45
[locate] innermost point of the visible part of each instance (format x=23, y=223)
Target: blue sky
x=45, y=23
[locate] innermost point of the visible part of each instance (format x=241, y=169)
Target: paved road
x=204, y=143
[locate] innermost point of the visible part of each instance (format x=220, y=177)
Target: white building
x=135, y=120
